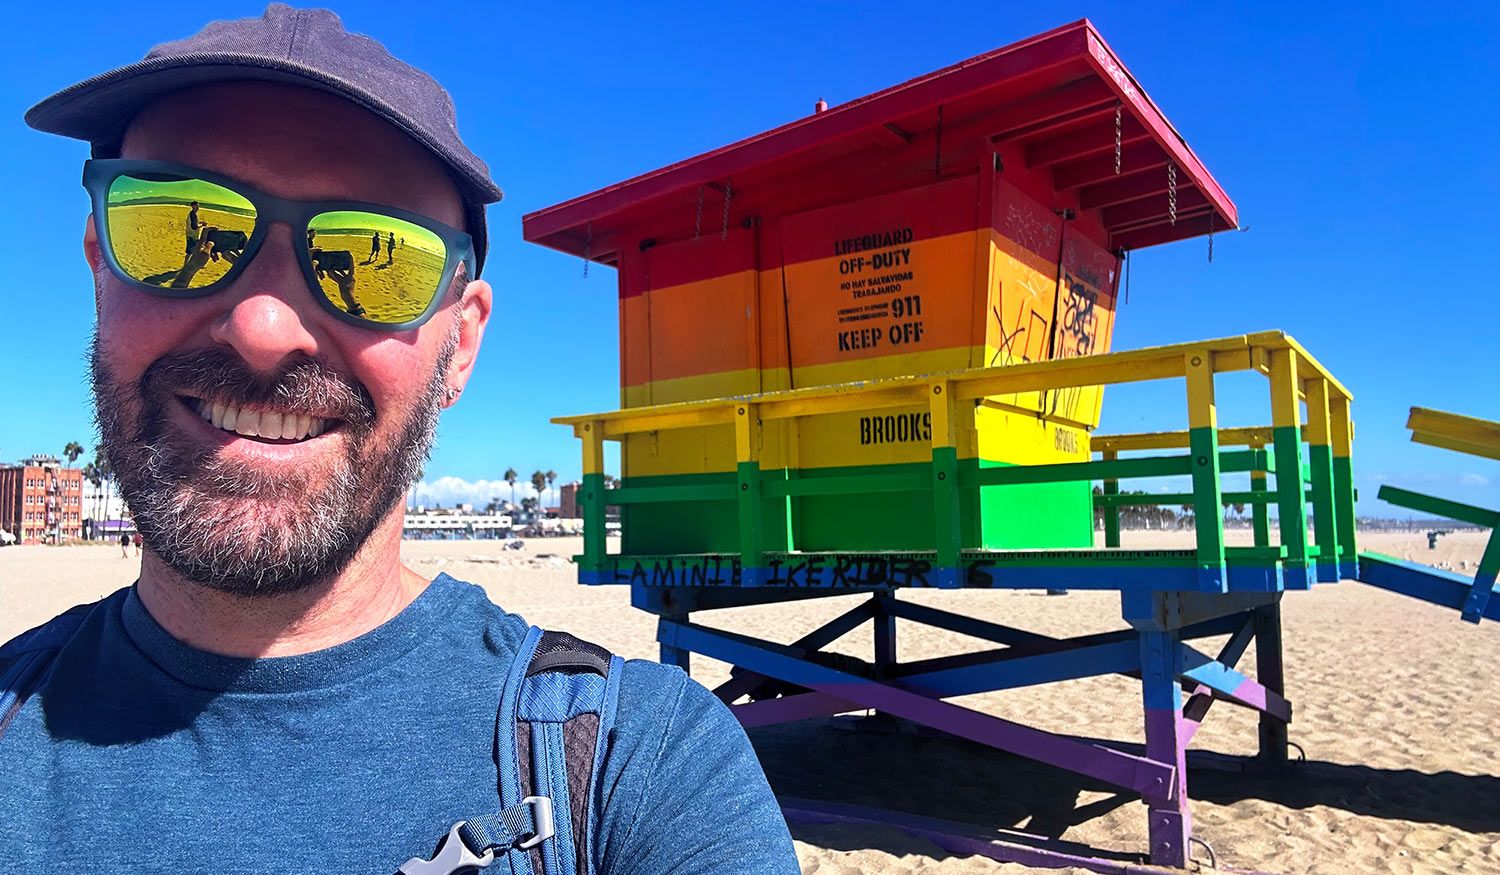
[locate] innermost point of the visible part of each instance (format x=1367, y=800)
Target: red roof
x=1054, y=95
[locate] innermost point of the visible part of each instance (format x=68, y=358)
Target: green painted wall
x=1043, y=515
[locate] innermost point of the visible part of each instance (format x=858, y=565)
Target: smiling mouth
x=268, y=426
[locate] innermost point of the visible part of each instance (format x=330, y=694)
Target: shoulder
x=56, y=632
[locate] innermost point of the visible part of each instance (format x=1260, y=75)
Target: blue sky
x=1358, y=141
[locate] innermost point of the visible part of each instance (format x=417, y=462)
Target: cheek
x=394, y=373
x=135, y=329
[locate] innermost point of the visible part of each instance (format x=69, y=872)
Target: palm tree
x=106, y=476
x=91, y=474
x=73, y=450
x=510, y=477
x=552, y=478
x=538, y=482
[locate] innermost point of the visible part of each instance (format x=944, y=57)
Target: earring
x=452, y=393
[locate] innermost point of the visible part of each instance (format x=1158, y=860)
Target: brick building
x=41, y=501
x=568, y=501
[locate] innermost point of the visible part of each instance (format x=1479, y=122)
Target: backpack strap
x=565, y=713
x=26, y=660
x=557, y=708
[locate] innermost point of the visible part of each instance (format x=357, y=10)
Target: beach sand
x=1389, y=697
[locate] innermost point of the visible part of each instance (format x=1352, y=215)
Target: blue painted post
x=671, y=655
x=1168, y=821
x=885, y=634
x=1269, y=672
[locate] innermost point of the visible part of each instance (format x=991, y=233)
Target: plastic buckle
x=541, y=816
x=454, y=855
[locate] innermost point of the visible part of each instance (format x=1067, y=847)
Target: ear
x=93, y=253
x=91, y=248
x=473, y=316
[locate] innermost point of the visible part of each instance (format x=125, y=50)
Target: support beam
x=744, y=682
x=1101, y=168
x=1231, y=686
x=1268, y=670
x=671, y=655
x=1168, y=820
x=1082, y=143
x=884, y=633
x=1098, y=761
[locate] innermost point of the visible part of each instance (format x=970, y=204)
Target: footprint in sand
x=1426, y=839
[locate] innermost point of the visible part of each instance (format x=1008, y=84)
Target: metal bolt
x=742, y=411
x=744, y=487
x=942, y=475
x=586, y=426
x=589, y=496
x=937, y=390
x=1203, y=460
x=1195, y=361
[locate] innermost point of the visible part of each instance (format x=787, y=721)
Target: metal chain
x=698, y=225
x=937, y=157
x=728, y=193
x=588, y=249
x=1172, y=193
x=1117, y=139
x=1127, y=276
x=1210, y=235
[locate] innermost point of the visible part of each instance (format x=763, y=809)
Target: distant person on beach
x=137, y=542
x=374, y=245
x=390, y=248
x=124, y=546
x=277, y=692
x=192, y=226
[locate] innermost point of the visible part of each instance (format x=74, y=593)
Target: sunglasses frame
x=100, y=173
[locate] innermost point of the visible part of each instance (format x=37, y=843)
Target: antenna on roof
x=820, y=106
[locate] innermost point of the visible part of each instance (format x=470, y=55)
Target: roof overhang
x=1053, y=97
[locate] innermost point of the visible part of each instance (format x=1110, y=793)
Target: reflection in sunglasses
x=177, y=233
x=394, y=282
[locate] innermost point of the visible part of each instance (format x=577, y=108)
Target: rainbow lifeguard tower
x=866, y=351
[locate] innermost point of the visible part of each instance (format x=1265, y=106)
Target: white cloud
x=449, y=491
x=1473, y=480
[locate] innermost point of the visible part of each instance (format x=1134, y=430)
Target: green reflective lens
x=176, y=232
x=376, y=267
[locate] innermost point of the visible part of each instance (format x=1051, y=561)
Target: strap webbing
x=501, y=831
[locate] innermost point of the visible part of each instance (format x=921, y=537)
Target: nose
x=271, y=315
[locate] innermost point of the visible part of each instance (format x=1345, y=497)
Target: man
x=277, y=692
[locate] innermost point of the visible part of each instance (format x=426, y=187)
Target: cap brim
x=98, y=110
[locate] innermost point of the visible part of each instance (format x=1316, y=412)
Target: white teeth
x=248, y=423
x=261, y=423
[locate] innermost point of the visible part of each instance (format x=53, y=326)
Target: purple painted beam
x=1232, y=686
x=1103, y=763
x=1012, y=846
x=784, y=709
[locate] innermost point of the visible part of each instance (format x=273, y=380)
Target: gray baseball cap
x=307, y=47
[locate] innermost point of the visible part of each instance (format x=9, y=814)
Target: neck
x=373, y=588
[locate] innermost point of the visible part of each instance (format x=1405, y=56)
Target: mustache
x=218, y=374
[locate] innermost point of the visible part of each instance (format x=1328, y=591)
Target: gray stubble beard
x=280, y=535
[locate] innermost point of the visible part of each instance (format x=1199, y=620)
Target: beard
x=247, y=529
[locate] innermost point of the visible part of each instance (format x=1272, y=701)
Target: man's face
x=248, y=514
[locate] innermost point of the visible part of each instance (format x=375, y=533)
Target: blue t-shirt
x=142, y=754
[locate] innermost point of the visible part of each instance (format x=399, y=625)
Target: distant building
x=461, y=522
x=568, y=503
x=41, y=501
x=103, y=502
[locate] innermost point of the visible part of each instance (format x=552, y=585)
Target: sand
x=1389, y=695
